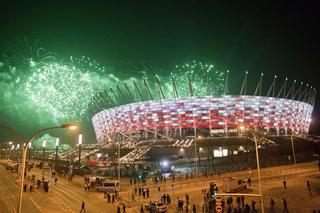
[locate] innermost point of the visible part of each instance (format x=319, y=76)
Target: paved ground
x=67, y=196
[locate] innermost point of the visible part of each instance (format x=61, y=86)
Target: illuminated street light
x=57, y=147
x=80, y=143
x=24, y=154
x=44, y=143
x=196, y=154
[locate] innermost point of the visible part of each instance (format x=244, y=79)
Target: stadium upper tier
x=176, y=116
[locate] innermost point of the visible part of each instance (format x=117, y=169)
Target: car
x=156, y=206
x=232, y=184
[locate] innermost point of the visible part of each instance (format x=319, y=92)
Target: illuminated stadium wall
x=209, y=112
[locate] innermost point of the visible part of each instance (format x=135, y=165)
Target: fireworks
x=39, y=83
x=65, y=89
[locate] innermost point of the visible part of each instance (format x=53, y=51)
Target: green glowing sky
x=132, y=40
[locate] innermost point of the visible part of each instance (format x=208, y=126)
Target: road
x=63, y=197
x=67, y=196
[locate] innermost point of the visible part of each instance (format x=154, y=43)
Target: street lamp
x=24, y=154
x=80, y=143
x=44, y=143
x=57, y=147
x=196, y=154
x=258, y=167
x=119, y=162
x=293, y=152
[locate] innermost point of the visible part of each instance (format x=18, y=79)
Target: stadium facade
x=285, y=112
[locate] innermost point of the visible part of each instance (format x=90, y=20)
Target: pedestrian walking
x=147, y=192
x=141, y=209
x=25, y=187
x=82, y=207
x=308, y=185
x=242, y=201
x=285, y=184
x=124, y=208
x=285, y=206
x=194, y=209
x=144, y=193
x=168, y=199
x=112, y=198
x=272, y=203
x=140, y=191
x=118, y=209
x=187, y=198
x=31, y=187
x=55, y=181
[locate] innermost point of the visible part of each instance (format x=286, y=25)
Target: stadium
x=146, y=118
x=177, y=123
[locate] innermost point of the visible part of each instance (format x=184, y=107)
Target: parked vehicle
x=231, y=184
x=108, y=186
x=156, y=206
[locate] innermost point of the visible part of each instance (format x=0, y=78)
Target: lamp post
x=44, y=143
x=10, y=144
x=29, y=151
x=57, y=149
x=80, y=143
x=196, y=155
x=17, y=151
x=293, y=152
x=258, y=168
x=119, y=162
x=24, y=154
x=11, y=151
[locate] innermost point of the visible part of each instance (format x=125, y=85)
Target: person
x=118, y=209
x=308, y=185
x=187, y=198
x=285, y=206
x=285, y=184
x=147, y=192
x=253, y=206
x=82, y=207
x=168, y=199
x=144, y=193
x=130, y=181
x=249, y=181
x=135, y=190
x=242, y=201
x=124, y=208
x=112, y=198
x=25, y=187
x=272, y=203
x=132, y=197
x=194, y=209
x=31, y=187
x=141, y=209
x=140, y=191
x=55, y=181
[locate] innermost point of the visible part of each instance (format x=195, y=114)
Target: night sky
x=270, y=37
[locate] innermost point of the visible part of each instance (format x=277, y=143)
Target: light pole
x=258, y=167
x=56, y=156
x=200, y=150
x=10, y=144
x=29, y=151
x=80, y=143
x=17, y=151
x=119, y=162
x=293, y=153
x=24, y=154
x=196, y=155
x=44, y=143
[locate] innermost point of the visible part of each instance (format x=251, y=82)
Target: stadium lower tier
x=212, y=113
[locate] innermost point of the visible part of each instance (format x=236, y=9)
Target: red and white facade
x=212, y=113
